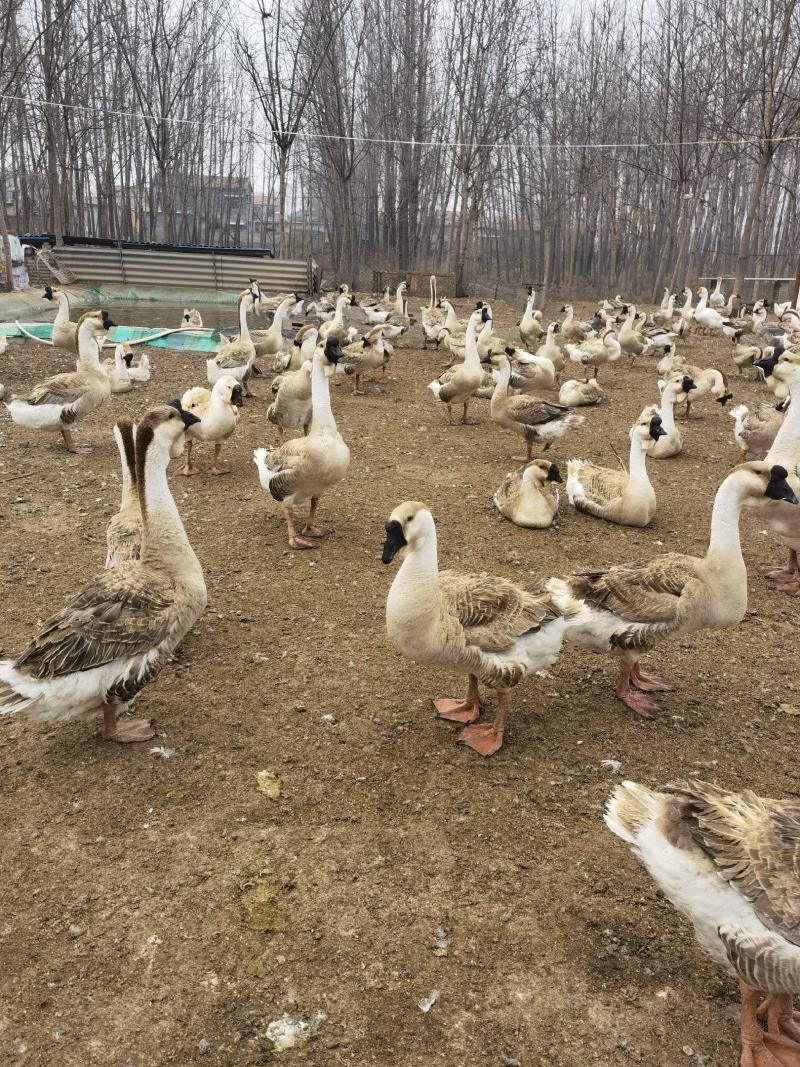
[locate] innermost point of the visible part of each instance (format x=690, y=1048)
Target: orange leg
x=310, y=530
x=635, y=700
x=785, y=579
x=468, y=422
x=487, y=738
x=215, y=467
x=778, y=1012
x=760, y=1049
x=464, y=711
x=71, y=444
x=187, y=470
x=295, y=540
x=648, y=683
x=124, y=731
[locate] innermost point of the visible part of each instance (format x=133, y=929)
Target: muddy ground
x=163, y=911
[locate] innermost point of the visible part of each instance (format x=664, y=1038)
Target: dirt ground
x=163, y=911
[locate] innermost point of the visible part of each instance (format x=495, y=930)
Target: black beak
x=188, y=418
x=394, y=541
x=236, y=396
x=333, y=352
x=554, y=474
x=557, y=328
x=778, y=488
x=128, y=357
x=48, y=293
x=108, y=322
x=688, y=384
x=656, y=429
x=724, y=398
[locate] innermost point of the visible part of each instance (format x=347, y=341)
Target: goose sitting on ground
x=192, y=319
x=59, y=402
x=291, y=409
x=480, y=625
x=624, y=497
x=140, y=371
x=728, y=861
x=661, y=340
x=114, y=637
x=305, y=467
x=217, y=413
x=116, y=369
x=124, y=533
x=525, y=497
x=236, y=356
x=771, y=333
x=756, y=428
x=630, y=608
x=575, y=394
x=536, y=420
x=65, y=332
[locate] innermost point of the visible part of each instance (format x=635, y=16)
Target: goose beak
x=554, y=474
x=236, y=396
x=395, y=540
x=724, y=398
x=187, y=417
x=778, y=488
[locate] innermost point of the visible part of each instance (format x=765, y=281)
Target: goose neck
x=637, y=468
x=727, y=508
x=668, y=411
x=786, y=446
x=244, y=331
x=322, y=420
x=164, y=541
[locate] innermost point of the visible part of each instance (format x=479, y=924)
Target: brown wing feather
x=601, y=484
x=60, y=389
x=532, y=411
x=285, y=460
x=493, y=611
x=122, y=612
x=755, y=844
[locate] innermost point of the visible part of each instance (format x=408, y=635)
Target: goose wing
x=492, y=611
x=285, y=465
x=754, y=844
x=600, y=484
x=122, y=613
x=531, y=411
x=650, y=596
x=60, y=389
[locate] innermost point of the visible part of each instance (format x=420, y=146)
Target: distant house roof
x=227, y=181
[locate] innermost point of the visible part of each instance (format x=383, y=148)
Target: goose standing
x=305, y=467
x=270, y=342
x=336, y=327
x=217, y=414
x=114, y=637
x=626, y=498
x=530, y=325
x=236, y=356
x=573, y=329
x=534, y=419
x=717, y=298
x=755, y=429
x=291, y=408
x=525, y=497
x=630, y=608
x=124, y=533
x=596, y=351
x=550, y=348
x=463, y=381
x=728, y=861
x=480, y=625
x=58, y=402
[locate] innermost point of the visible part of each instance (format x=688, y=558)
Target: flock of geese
x=726, y=860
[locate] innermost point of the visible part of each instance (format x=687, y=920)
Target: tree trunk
x=749, y=223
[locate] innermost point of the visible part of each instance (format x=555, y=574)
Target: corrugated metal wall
x=202, y=270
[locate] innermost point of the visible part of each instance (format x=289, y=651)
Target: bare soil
x=164, y=911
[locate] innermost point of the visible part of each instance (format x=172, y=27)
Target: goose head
x=760, y=483
x=165, y=427
x=410, y=525
x=229, y=390
x=541, y=471
x=648, y=430
x=787, y=369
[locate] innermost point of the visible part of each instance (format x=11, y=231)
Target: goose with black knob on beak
x=115, y=636
x=631, y=608
x=217, y=414
x=460, y=385
x=305, y=467
x=59, y=402
x=536, y=420
x=65, y=332
x=480, y=625
x=728, y=862
x=528, y=497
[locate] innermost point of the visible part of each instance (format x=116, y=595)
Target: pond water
x=154, y=313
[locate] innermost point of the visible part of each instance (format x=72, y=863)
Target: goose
x=686, y=313
x=530, y=325
x=617, y=304
x=432, y=329
x=58, y=402
x=140, y=372
x=374, y=317
x=575, y=394
x=623, y=497
x=525, y=497
x=631, y=340
x=217, y=413
x=124, y=533
x=480, y=625
x=534, y=419
x=300, y=351
x=266, y=304
x=665, y=299
x=629, y=608
x=728, y=862
x=452, y=322
x=781, y=309
x=661, y=339
x=270, y=342
x=529, y=372
x=456, y=342
x=596, y=351
x=115, y=636
x=465, y=379
x=191, y=319
x=116, y=369
x=488, y=341
x=433, y=312
x=291, y=409
x=236, y=356
x=550, y=349
x=716, y=298
x=666, y=313
x=755, y=429
x=780, y=518
x=772, y=333
x=708, y=382
x=766, y=368
x=361, y=357
x=671, y=362
x=573, y=329
x=305, y=467
x=65, y=332
x=671, y=443
x=336, y=327
x=745, y=355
